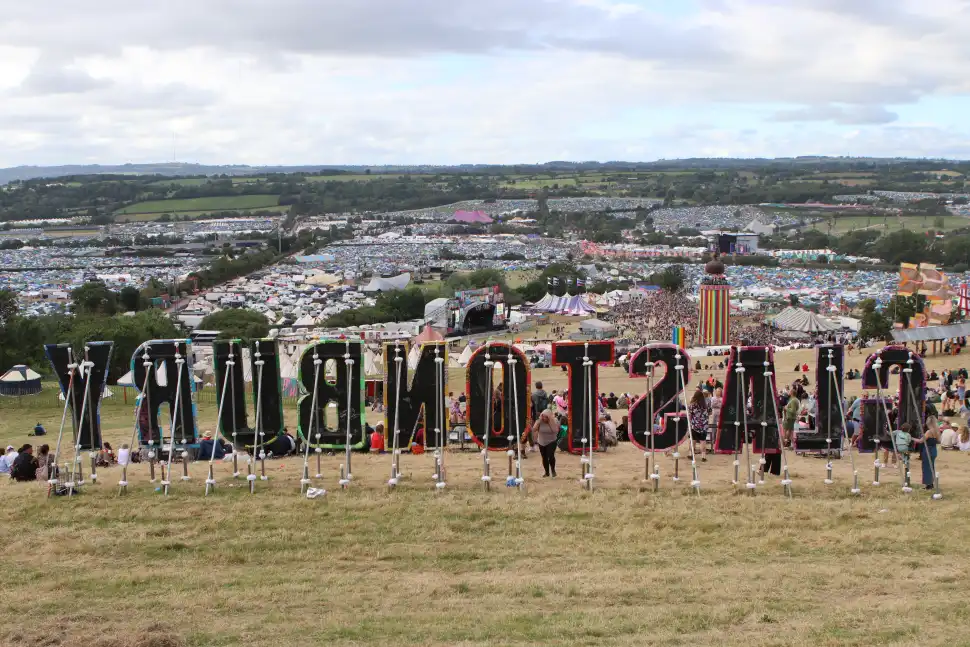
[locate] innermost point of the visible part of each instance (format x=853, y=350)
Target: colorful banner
x=679, y=337
x=715, y=308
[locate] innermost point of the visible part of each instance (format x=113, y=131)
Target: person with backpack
x=902, y=442
x=540, y=401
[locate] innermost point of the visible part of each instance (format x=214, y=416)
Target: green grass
x=364, y=177
x=914, y=223
x=551, y=566
x=217, y=203
x=185, y=181
x=148, y=217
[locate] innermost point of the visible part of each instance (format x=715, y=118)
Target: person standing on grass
x=546, y=432
x=927, y=451
x=699, y=412
x=789, y=419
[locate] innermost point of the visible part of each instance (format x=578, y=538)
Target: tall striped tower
x=715, y=306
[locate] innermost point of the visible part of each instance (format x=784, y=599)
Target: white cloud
x=446, y=81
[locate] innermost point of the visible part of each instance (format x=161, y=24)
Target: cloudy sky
x=501, y=81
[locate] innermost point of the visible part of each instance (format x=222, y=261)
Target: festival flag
x=964, y=300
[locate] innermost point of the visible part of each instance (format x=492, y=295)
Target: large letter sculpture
x=170, y=382
x=325, y=379
x=491, y=420
x=663, y=400
x=912, y=382
x=583, y=394
x=233, y=420
x=875, y=424
x=264, y=362
x=750, y=398
x=83, y=381
x=420, y=403
x=829, y=387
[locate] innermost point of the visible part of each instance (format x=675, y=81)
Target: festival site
x=484, y=322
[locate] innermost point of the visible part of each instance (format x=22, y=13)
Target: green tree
x=237, y=324
x=130, y=299
x=533, y=290
x=901, y=308
x=903, y=246
x=94, y=298
x=874, y=325
x=672, y=279
x=8, y=306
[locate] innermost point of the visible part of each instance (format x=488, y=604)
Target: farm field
x=147, y=217
x=215, y=203
x=365, y=177
x=553, y=565
x=845, y=224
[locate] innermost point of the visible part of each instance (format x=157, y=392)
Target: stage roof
x=932, y=333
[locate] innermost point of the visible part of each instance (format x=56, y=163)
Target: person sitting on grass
x=25, y=465
x=964, y=432
x=7, y=460
x=377, y=439
x=106, y=457
x=38, y=430
x=45, y=463
x=207, y=446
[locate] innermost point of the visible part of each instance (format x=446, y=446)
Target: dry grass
x=553, y=566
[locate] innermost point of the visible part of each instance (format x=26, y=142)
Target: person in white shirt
x=124, y=455
x=964, y=444
x=949, y=437
x=6, y=461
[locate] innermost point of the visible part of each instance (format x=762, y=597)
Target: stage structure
x=714, y=321
x=473, y=311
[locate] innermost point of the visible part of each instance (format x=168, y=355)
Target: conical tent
x=466, y=356
x=20, y=380
x=428, y=334
x=371, y=365
x=578, y=306
x=544, y=303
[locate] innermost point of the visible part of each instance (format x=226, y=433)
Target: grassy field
x=845, y=224
x=552, y=566
x=147, y=217
x=363, y=177
x=216, y=203
x=182, y=181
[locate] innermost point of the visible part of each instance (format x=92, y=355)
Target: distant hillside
x=172, y=169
